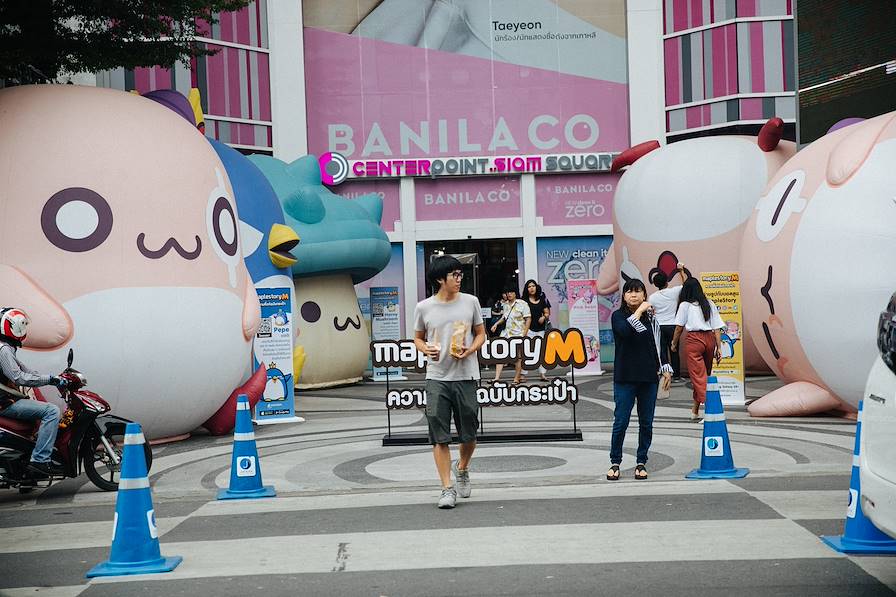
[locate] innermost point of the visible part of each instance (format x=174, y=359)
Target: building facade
x=487, y=127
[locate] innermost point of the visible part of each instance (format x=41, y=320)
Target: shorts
x=447, y=398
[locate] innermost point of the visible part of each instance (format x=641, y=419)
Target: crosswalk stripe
x=77, y=535
x=429, y=496
x=497, y=546
x=805, y=505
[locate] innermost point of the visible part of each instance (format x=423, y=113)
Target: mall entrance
x=488, y=265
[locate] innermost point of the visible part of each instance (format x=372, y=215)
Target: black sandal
x=640, y=472
x=613, y=473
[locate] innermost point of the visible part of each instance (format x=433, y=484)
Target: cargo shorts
x=447, y=399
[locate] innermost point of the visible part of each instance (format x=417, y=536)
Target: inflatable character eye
x=224, y=226
x=221, y=220
x=782, y=201
x=310, y=311
x=76, y=219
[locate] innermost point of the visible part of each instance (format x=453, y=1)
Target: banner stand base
x=278, y=420
x=391, y=378
x=488, y=437
x=583, y=373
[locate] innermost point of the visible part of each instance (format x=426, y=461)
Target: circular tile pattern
x=514, y=464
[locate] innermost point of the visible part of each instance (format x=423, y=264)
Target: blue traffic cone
x=860, y=536
x=135, y=539
x=245, y=469
x=716, y=461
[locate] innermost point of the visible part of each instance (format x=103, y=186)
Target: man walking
x=448, y=327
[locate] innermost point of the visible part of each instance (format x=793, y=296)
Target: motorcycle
x=88, y=438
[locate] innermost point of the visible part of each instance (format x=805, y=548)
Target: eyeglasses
x=457, y=275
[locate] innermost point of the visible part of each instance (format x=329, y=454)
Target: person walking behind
x=516, y=320
x=540, y=309
x=665, y=306
x=637, y=365
x=448, y=328
x=700, y=317
x=497, y=312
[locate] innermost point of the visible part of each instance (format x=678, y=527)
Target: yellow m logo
x=566, y=348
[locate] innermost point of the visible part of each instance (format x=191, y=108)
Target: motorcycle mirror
x=71, y=356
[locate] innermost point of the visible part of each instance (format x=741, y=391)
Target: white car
x=878, y=442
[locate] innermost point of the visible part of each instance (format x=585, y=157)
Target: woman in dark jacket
x=636, y=370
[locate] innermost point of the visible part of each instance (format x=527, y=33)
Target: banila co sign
x=335, y=168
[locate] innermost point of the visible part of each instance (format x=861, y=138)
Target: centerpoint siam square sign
x=335, y=168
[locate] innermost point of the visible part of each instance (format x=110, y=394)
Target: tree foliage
x=43, y=39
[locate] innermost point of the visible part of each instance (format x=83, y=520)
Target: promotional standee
x=273, y=351
x=556, y=349
x=723, y=288
x=385, y=321
x=583, y=315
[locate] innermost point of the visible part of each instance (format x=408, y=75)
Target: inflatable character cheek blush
x=817, y=264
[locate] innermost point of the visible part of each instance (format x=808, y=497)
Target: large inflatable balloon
x=818, y=263
x=342, y=245
x=120, y=238
x=689, y=202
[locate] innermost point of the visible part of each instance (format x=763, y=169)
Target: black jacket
x=636, y=358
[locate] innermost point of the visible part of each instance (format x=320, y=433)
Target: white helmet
x=14, y=323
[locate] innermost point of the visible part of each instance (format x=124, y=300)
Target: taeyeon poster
x=428, y=78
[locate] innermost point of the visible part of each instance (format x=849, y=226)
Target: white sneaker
x=448, y=498
x=462, y=480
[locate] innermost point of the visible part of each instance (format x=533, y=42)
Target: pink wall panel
x=672, y=49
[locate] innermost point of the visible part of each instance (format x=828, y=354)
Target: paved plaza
x=355, y=518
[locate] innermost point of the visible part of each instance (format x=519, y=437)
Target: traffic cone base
x=230, y=494
x=844, y=544
x=735, y=473
x=163, y=564
x=245, y=467
x=860, y=536
x=135, y=537
x=716, y=460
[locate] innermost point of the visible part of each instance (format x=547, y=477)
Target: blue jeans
x=33, y=410
x=625, y=395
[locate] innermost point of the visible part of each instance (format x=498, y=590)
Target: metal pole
x=388, y=410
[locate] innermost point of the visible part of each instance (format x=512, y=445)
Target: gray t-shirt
x=438, y=320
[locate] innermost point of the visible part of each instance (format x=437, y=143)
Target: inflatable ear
x=373, y=205
x=849, y=154
x=304, y=205
x=632, y=154
x=770, y=134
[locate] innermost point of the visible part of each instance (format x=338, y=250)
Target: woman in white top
x=665, y=305
x=700, y=317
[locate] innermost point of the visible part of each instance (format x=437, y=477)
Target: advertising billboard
x=427, y=78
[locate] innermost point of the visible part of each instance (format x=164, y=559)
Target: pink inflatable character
x=121, y=241
x=818, y=266
x=689, y=202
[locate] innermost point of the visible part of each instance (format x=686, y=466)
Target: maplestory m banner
x=425, y=78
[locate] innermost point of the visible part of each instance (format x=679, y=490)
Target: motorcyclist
x=13, y=328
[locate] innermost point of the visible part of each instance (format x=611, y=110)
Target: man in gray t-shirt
x=448, y=327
